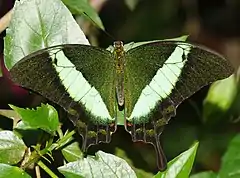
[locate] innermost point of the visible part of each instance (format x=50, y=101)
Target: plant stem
x=37, y=154
x=46, y=169
x=64, y=139
x=59, y=131
x=37, y=170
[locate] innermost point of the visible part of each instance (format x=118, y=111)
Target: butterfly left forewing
x=158, y=77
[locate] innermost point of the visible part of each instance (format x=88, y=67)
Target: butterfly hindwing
x=158, y=77
x=80, y=79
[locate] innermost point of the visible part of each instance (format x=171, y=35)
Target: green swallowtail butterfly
x=146, y=82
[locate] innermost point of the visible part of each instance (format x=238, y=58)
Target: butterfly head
x=117, y=44
x=118, y=47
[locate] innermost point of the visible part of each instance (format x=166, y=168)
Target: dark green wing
x=80, y=79
x=158, y=77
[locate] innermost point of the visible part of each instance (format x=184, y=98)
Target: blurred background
x=209, y=116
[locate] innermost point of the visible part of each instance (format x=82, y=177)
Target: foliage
x=12, y=171
x=38, y=135
x=44, y=117
x=101, y=165
x=180, y=166
x=230, y=162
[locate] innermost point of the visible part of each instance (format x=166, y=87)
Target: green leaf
x=207, y=174
x=23, y=126
x=231, y=160
x=181, y=166
x=131, y=4
x=12, y=148
x=39, y=24
x=131, y=45
x=139, y=172
x=103, y=165
x=44, y=117
x=134, y=45
x=9, y=113
x=82, y=7
x=72, y=152
x=12, y=172
x=219, y=100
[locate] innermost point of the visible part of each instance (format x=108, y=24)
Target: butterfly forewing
x=80, y=79
x=158, y=77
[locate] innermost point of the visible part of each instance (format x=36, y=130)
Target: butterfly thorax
x=119, y=64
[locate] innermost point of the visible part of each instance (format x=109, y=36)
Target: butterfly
x=145, y=83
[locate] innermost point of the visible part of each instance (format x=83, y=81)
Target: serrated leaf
x=219, y=99
x=231, y=160
x=103, y=165
x=12, y=172
x=37, y=24
x=82, y=7
x=72, y=152
x=44, y=117
x=12, y=148
x=207, y=174
x=23, y=126
x=181, y=166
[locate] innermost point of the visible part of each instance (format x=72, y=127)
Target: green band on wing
x=78, y=87
x=162, y=83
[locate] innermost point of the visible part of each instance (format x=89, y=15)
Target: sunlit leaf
x=44, y=117
x=139, y=172
x=219, y=98
x=12, y=148
x=181, y=166
x=82, y=7
x=103, y=165
x=72, y=152
x=12, y=172
x=208, y=174
x=39, y=24
x=231, y=160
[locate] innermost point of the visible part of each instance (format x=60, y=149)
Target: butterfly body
x=119, y=59
x=148, y=82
